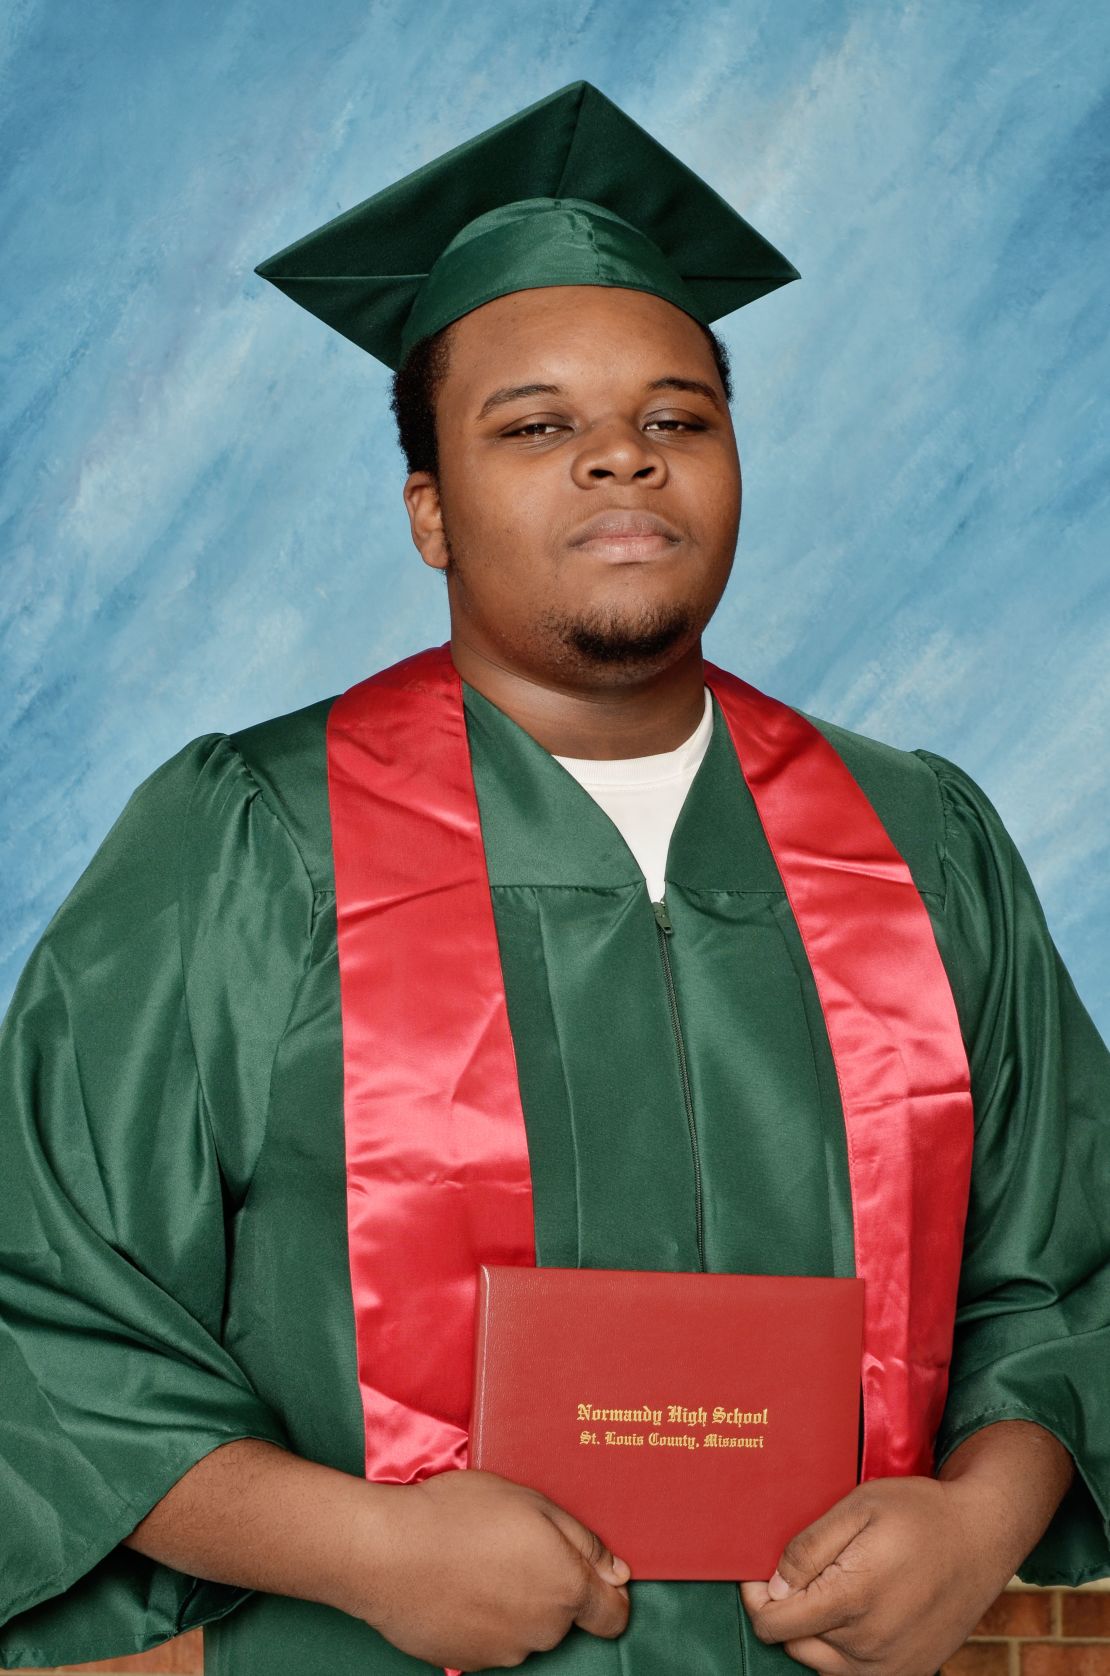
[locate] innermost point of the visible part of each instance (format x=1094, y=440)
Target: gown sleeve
x=1032, y=1331
x=134, y=1063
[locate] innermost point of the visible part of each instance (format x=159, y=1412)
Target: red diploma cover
x=695, y=1421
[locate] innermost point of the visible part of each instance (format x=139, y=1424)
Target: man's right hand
x=468, y=1569
x=465, y=1569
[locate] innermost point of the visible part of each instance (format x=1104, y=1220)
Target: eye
x=535, y=426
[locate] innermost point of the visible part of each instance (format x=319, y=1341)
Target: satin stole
x=438, y=1177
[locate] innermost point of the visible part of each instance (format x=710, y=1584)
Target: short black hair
x=416, y=383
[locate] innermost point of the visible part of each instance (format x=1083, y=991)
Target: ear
x=421, y=493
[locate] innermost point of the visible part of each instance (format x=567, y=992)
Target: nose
x=621, y=452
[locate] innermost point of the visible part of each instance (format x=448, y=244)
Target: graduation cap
x=568, y=191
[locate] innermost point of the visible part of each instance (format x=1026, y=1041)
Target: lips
x=627, y=538
x=614, y=527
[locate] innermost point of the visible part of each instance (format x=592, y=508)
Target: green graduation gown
x=173, y=1243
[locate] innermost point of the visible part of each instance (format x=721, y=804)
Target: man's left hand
x=889, y=1582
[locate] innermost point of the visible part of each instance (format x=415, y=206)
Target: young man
x=781, y=1000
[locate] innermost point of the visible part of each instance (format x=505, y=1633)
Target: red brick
x=1070, y=1658
x=1017, y=1612
x=1086, y=1613
x=979, y=1658
x=183, y=1656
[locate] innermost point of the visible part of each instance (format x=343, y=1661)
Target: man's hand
x=475, y=1570
x=464, y=1569
x=893, y=1578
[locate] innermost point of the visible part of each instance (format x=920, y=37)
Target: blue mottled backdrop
x=201, y=493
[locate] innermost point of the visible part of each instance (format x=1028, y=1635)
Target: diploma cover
x=695, y=1421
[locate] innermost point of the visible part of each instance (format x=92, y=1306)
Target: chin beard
x=605, y=640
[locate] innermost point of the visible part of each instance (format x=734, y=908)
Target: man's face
x=634, y=422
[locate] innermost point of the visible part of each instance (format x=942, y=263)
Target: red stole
x=438, y=1177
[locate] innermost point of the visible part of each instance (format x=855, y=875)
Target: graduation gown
x=174, y=1266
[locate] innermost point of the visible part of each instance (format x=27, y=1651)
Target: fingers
x=818, y=1655
x=590, y=1545
x=604, y=1609
x=812, y=1590
x=833, y=1601
x=807, y=1554
x=811, y=1650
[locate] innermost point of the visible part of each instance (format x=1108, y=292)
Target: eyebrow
x=697, y=387
x=511, y=392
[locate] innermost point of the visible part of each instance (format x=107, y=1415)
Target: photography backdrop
x=201, y=491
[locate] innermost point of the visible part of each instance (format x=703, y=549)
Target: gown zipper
x=665, y=929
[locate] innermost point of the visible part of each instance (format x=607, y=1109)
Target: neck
x=638, y=719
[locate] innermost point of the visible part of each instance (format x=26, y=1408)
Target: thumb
x=817, y=1546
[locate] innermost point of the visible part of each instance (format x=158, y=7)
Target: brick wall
x=1027, y=1632
x=1040, y=1632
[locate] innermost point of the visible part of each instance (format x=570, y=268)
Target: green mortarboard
x=569, y=191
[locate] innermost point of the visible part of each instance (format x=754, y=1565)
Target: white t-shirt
x=643, y=796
